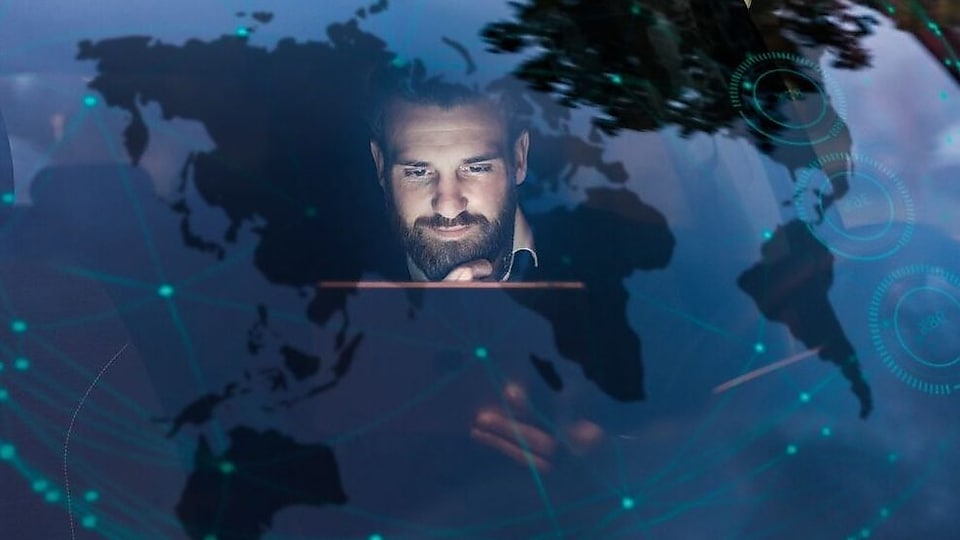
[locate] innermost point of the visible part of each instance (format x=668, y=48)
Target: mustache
x=438, y=221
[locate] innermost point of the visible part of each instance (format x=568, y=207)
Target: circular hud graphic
x=787, y=99
x=915, y=326
x=855, y=207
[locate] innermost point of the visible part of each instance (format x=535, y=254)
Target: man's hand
x=471, y=271
x=526, y=443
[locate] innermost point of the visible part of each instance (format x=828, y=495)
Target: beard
x=490, y=240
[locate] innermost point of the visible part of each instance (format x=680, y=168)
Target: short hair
x=437, y=92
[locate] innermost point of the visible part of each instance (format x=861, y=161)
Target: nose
x=449, y=199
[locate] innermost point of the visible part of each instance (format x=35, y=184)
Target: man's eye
x=415, y=173
x=477, y=169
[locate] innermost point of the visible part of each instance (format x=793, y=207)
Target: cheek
x=410, y=204
x=490, y=199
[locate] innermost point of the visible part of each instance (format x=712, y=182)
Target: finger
x=479, y=269
x=511, y=450
x=583, y=436
x=470, y=271
x=526, y=435
x=516, y=396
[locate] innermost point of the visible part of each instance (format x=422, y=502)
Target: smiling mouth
x=451, y=232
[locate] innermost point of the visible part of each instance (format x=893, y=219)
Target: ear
x=378, y=161
x=520, y=149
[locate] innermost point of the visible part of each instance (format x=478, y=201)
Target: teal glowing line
x=606, y=521
x=534, y=516
x=247, y=307
x=69, y=132
x=201, y=383
x=694, y=437
x=103, y=277
x=538, y=481
x=214, y=269
x=134, y=203
x=557, y=431
x=125, y=309
x=686, y=316
x=738, y=446
x=430, y=391
x=302, y=319
x=117, y=497
x=823, y=504
x=88, y=375
x=98, y=426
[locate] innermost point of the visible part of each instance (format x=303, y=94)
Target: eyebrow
x=468, y=161
x=482, y=157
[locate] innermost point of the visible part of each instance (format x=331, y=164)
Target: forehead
x=421, y=128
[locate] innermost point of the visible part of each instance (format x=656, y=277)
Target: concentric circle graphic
x=915, y=326
x=856, y=207
x=787, y=98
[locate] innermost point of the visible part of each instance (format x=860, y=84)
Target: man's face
x=449, y=184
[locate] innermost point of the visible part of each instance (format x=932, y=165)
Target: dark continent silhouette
x=790, y=285
x=235, y=495
x=635, y=236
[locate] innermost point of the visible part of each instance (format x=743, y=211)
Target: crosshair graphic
x=787, y=98
x=856, y=207
x=915, y=326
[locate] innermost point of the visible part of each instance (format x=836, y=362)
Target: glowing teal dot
x=616, y=79
x=243, y=31
x=635, y=9
x=52, y=496
x=949, y=139
x=826, y=432
x=4, y=395
x=91, y=496
x=891, y=10
x=7, y=452
x=1, y=366
x=311, y=212
x=747, y=85
x=165, y=291
x=804, y=397
x=8, y=198
x=767, y=234
x=943, y=95
x=480, y=352
x=21, y=364
x=791, y=449
x=40, y=485
x=627, y=503
x=865, y=533
x=89, y=521
x=210, y=537
x=398, y=62
x=375, y=537
x=759, y=348
x=18, y=327
x=892, y=457
x=884, y=513
x=90, y=101
x=227, y=468
x=565, y=259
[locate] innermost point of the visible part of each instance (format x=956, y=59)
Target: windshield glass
x=533, y=269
